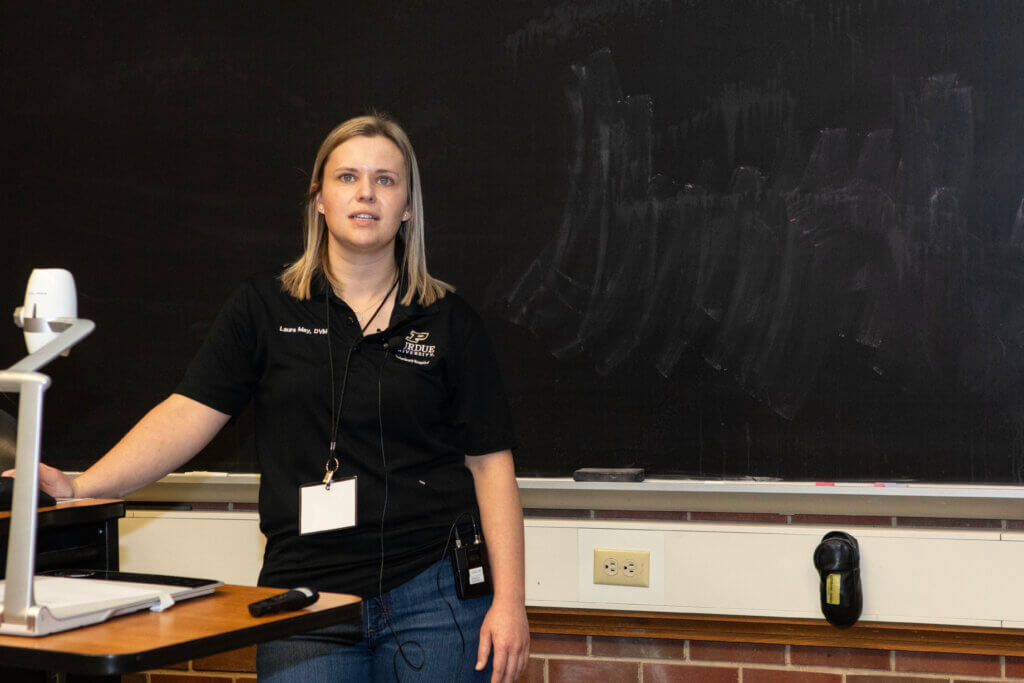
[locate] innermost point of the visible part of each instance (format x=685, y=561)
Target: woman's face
x=364, y=196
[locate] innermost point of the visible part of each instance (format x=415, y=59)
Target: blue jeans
x=432, y=648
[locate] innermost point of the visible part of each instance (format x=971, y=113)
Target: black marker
x=297, y=598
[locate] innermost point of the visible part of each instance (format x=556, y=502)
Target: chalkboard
x=717, y=239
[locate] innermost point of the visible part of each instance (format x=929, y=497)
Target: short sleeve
x=480, y=410
x=224, y=373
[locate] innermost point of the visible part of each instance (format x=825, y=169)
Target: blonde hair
x=298, y=277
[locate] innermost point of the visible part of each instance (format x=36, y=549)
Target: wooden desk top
x=194, y=628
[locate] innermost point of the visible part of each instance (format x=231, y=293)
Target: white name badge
x=324, y=509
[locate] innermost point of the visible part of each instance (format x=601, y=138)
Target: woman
x=359, y=364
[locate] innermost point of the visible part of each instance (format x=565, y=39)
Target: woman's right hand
x=52, y=481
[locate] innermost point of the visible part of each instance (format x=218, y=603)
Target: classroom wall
x=753, y=567
x=917, y=569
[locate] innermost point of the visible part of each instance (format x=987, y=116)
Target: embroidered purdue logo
x=415, y=351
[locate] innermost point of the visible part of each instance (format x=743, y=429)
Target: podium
x=75, y=534
x=83, y=534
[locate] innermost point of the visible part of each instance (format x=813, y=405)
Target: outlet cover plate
x=620, y=567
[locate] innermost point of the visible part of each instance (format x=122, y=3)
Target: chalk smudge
x=761, y=276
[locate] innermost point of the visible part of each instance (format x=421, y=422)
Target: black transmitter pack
x=472, y=568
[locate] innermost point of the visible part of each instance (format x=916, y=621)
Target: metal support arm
x=21, y=544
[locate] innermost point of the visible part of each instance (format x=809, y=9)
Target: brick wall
x=227, y=667
x=560, y=659
x=567, y=659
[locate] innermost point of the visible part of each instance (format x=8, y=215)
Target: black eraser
x=609, y=474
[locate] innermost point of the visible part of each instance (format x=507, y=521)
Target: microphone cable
x=389, y=345
x=383, y=514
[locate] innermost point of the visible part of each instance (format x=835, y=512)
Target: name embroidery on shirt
x=299, y=329
x=415, y=351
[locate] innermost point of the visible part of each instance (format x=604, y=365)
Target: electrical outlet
x=622, y=567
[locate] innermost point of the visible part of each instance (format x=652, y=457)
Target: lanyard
x=332, y=459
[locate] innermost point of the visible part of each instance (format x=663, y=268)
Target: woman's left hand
x=506, y=631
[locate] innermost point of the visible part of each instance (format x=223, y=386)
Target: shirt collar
x=320, y=286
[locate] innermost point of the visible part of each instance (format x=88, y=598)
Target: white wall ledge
x=927, y=500
x=656, y=494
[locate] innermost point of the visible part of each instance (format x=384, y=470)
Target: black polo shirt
x=440, y=399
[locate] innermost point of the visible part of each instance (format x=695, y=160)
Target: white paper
x=325, y=509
